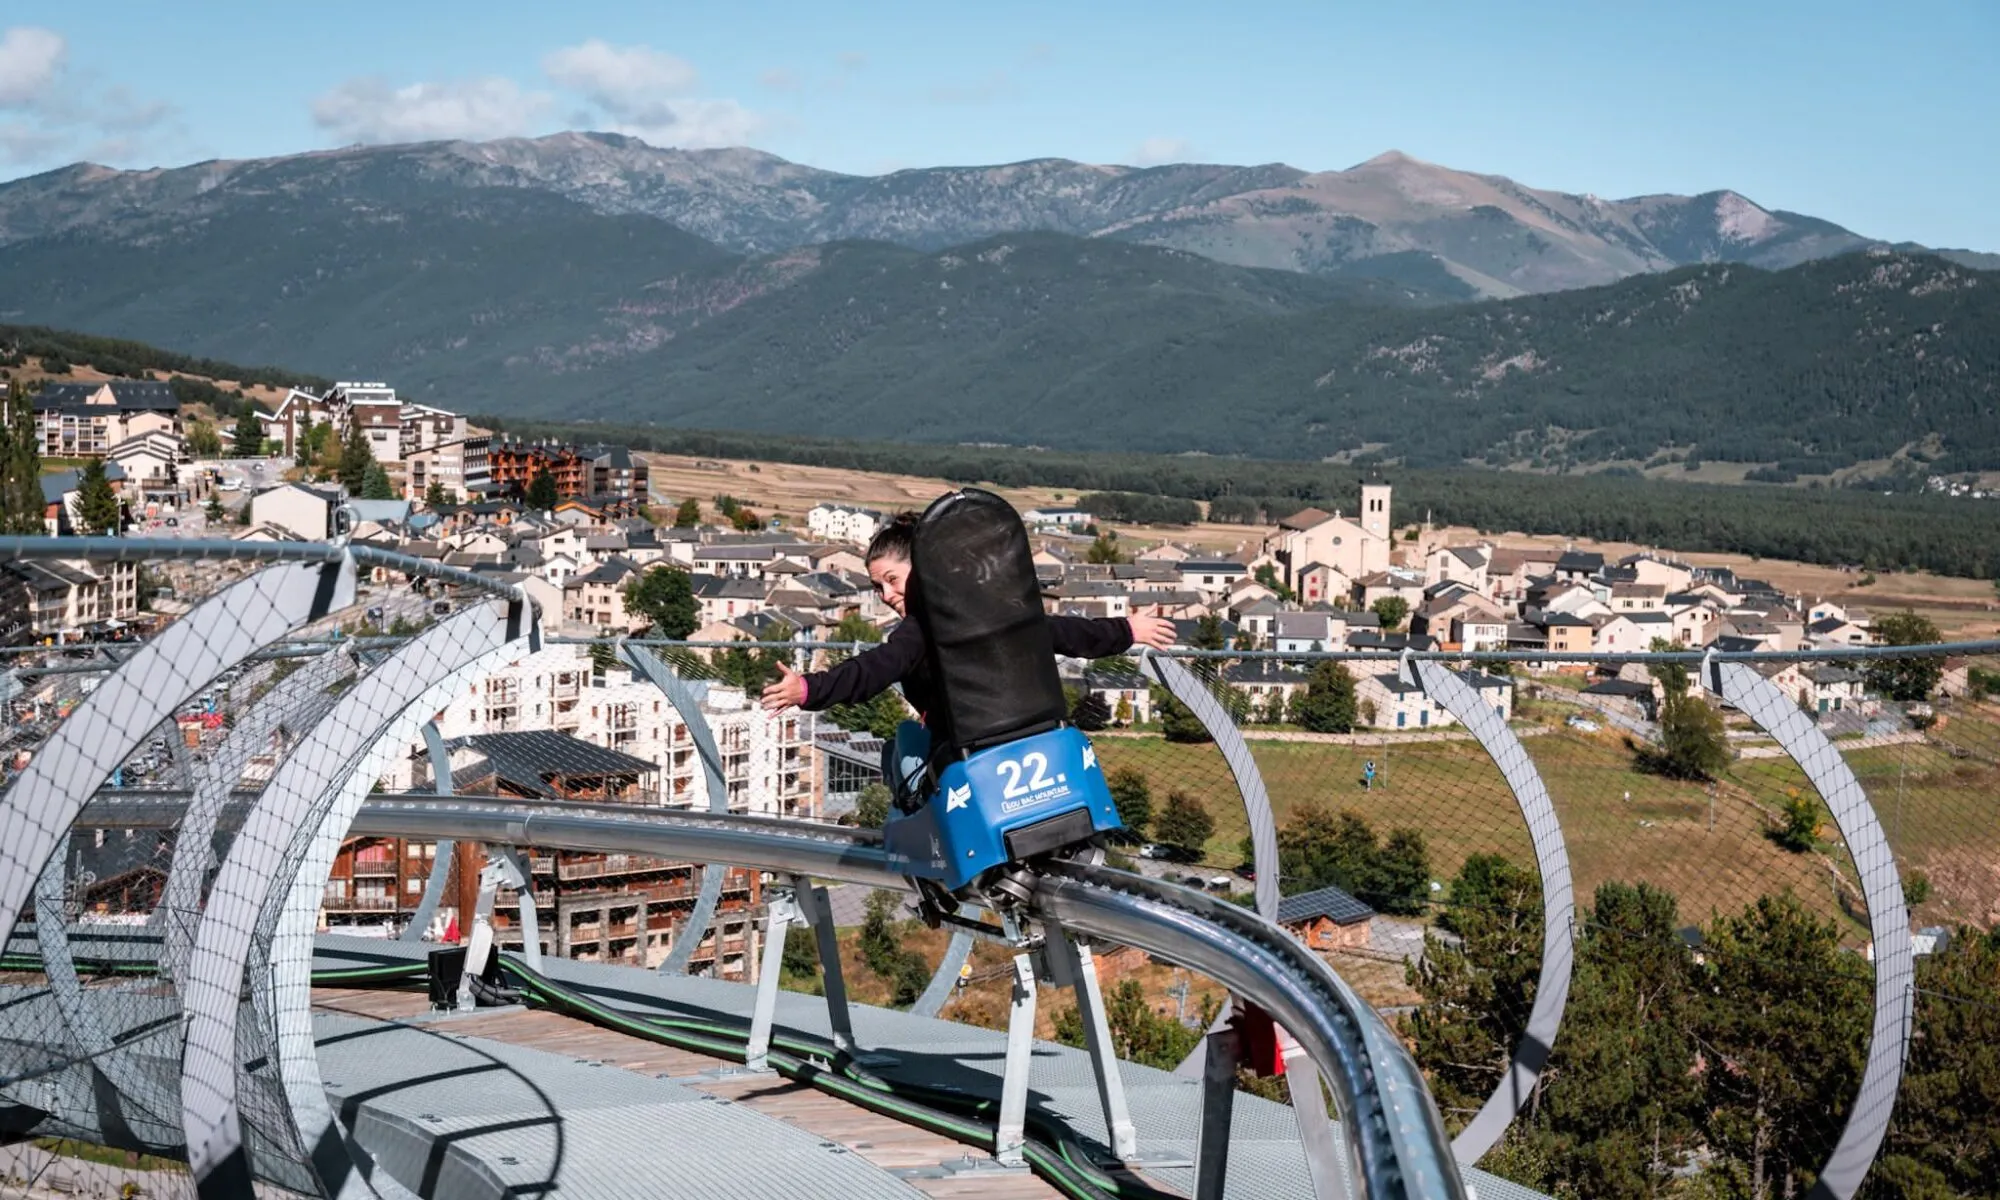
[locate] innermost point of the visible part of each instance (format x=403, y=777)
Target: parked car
x=1155, y=850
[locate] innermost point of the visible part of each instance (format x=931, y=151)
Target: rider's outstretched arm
x=869, y=673
x=1091, y=637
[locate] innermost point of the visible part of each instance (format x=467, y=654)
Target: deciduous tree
x=203, y=441
x=1133, y=795
x=1090, y=713
x=1327, y=703
x=1906, y=679
x=664, y=596
x=1184, y=821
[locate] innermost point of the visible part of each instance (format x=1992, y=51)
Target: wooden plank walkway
x=882, y=1141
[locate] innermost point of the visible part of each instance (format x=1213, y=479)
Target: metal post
x=1218, y=1102
x=1323, y=1161
x=427, y=906
x=813, y=907
x=1010, y=1134
x=757, y=1051
x=516, y=869
x=479, y=942
x=1073, y=966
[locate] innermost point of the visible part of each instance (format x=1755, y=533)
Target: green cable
x=1057, y=1165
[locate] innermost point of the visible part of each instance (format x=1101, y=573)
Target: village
x=578, y=527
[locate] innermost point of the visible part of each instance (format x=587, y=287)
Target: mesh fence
x=1723, y=988
x=1712, y=907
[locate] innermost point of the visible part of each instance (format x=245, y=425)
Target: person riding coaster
x=996, y=775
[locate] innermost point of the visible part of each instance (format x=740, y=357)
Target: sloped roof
x=1332, y=903
x=527, y=759
x=1262, y=671
x=128, y=395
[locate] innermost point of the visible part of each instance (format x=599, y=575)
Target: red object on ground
x=1257, y=1040
x=451, y=930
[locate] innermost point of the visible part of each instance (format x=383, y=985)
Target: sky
x=1882, y=118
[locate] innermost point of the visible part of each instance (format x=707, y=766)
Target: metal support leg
x=427, y=906
x=1218, y=1104
x=757, y=1051
x=479, y=944
x=1323, y=1159
x=1010, y=1135
x=1073, y=966
x=523, y=884
x=813, y=907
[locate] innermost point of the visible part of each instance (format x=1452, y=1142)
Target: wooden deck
x=882, y=1141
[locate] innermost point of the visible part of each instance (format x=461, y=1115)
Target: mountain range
x=1499, y=237
x=1259, y=310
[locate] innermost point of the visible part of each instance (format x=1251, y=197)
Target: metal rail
x=1396, y=1140
x=120, y=549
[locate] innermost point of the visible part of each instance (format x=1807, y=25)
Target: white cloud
x=696, y=125
x=30, y=58
x=63, y=110
x=780, y=80
x=647, y=94
x=1157, y=150
x=631, y=83
x=369, y=109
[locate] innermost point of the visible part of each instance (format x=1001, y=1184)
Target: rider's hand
x=1151, y=629
x=788, y=692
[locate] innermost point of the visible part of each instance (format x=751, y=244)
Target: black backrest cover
x=974, y=594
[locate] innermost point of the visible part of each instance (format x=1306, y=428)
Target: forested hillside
x=1816, y=368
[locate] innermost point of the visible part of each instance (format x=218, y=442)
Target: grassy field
x=1713, y=851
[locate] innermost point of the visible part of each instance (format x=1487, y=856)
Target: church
x=1322, y=554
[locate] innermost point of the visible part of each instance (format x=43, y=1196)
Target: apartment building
x=65, y=597
x=460, y=467
x=85, y=420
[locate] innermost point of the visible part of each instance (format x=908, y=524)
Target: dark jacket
x=900, y=659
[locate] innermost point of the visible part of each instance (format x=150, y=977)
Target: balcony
x=614, y=864
x=382, y=902
x=375, y=868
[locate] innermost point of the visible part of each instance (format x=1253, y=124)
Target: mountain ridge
x=1503, y=237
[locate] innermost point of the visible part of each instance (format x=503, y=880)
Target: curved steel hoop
x=1462, y=701
x=210, y=1083
x=165, y=674
x=1888, y=918
x=688, y=705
